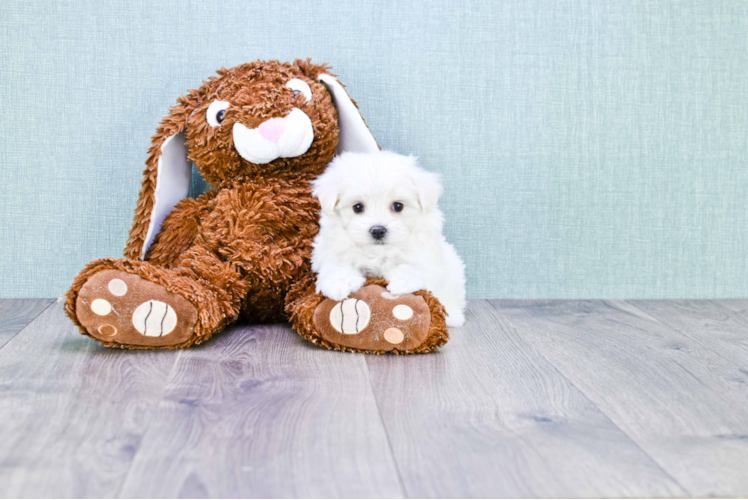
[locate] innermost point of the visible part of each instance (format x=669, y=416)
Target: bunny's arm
x=179, y=230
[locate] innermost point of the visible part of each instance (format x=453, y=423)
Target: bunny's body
x=254, y=220
x=259, y=133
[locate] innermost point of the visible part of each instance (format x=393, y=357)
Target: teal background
x=588, y=148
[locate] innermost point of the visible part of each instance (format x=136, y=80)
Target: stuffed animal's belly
x=266, y=231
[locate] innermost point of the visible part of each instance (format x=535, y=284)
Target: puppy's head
x=379, y=198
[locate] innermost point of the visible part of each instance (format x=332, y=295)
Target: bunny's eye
x=216, y=112
x=300, y=87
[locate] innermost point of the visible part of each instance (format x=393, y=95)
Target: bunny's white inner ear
x=354, y=134
x=172, y=184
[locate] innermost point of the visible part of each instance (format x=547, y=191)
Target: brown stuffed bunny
x=258, y=133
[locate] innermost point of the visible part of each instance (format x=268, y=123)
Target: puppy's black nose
x=377, y=232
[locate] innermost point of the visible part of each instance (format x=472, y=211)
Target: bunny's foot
x=138, y=305
x=373, y=320
x=116, y=307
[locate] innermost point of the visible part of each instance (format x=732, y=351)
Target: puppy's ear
x=166, y=178
x=429, y=189
x=354, y=135
x=327, y=190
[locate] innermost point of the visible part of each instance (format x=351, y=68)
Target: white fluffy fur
x=413, y=254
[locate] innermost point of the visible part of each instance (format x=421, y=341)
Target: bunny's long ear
x=166, y=180
x=354, y=134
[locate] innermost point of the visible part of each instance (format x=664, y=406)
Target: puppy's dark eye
x=397, y=207
x=358, y=208
x=220, y=115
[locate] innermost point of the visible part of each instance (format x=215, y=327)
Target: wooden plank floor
x=529, y=399
x=15, y=314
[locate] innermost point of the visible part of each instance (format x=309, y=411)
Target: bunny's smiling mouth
x=284, y=137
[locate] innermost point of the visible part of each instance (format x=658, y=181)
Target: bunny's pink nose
x=272, y=129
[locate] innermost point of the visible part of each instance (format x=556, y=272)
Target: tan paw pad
x=107, y=330
x=394, y=335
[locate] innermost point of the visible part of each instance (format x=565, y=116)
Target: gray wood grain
x=72, y=413
x=15, y=314
x=531, y=398
x=714, y=324
x=683, y=404
x=739, y=306
x=258, y=412
x=488, y=416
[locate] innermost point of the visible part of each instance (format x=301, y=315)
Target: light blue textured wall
x=589, y=148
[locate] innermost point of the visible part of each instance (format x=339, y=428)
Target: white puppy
x=379, y=218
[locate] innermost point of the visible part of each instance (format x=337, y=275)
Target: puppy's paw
x=401, y=286
x=455, y=318
x=340, y=287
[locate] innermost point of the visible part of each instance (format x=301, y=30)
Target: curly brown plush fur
x=242, y=249
x=258, y=93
